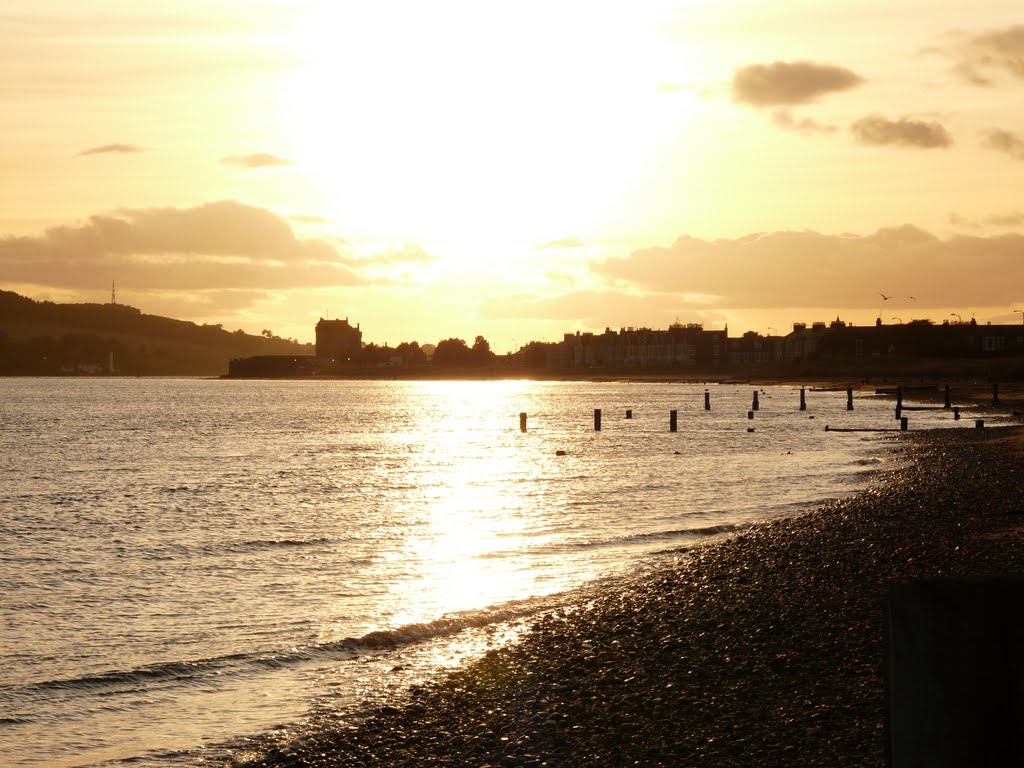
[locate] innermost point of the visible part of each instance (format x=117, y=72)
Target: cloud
x=220, y=245
x=565, y=242
x=1010, y=220
x=876, y=130
x=1006, y=142
x=784, y=119
x=407, y=254
x=808, y=269
x=597, y=309
x=112, y=149
x=785, y=83
x=257, y=160
x=999, y=50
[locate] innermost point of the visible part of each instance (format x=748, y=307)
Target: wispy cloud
x=783, y=83
x=563, y=243
x=257, y=160
x=112, y=149
x=995, y=51
x=784, y=118
x=1008, y=143
x=876, y=130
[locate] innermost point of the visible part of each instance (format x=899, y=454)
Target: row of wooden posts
x=673, y=422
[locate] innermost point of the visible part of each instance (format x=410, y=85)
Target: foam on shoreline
x=756, y=650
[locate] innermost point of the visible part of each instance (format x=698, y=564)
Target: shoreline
x=763, y=649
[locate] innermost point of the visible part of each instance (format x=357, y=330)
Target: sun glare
x=467, y=124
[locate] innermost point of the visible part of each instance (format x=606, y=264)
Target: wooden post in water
x=750, y=414
x=954, y=673
x=899, y=396
x=803, y=399
x=522, y=422
x=899, y=412
x=756, y=405
x=597, y=419
x=904, y=424
x=956, y=413
x=995, y=393
x=979, y=423
x=673, y=421
x=707, y=400
x=849, y=397
x=629, y=413
x=948, y=402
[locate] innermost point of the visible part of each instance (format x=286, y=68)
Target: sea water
x=188, y=563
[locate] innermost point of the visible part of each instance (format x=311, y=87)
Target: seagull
x=911, y=298
x=884, y=297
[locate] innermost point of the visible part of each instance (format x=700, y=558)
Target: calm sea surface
x=187, y=563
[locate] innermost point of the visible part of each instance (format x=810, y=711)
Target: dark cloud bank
x=793, y=269
x=217, y=245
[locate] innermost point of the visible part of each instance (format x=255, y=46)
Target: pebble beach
x=764, y=649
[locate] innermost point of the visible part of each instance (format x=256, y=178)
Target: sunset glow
x=514, y=170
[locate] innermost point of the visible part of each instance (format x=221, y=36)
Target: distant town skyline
x=516, y=170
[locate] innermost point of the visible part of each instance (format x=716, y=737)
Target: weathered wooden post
x=979, y=423
x=597, y=419
x=750, y=414
x=629, y=413
x=707, y=400
x=956, y=413
x=955, y=673
x=673, y=421
x=522, y=422
x=849, y=397
x=756, y=405
x=803, y=399
x=995, y=393
x=904, y=424
x=899, y=396
x=948, y=402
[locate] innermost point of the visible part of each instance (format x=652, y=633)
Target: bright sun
x=464, y=123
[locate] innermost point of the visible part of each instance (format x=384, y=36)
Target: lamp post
x=896, y=318
x=772, y=331
x=959, y=319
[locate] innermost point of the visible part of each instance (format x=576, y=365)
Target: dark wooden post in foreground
x=629, y=413
x=756, y=405
x=707, y=400
x=597, y=419
x=750, y=414
x=522, y=422
x=673, y=421
x=979, y=423
x=904, y=424
x=948, y=402
x=956, y=673
x=849, y=398
x=899, y=396
x=956, y=413
x=803, y=399
x=995, y=393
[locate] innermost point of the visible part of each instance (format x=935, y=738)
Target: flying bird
x=911, y=298
x=884, y=297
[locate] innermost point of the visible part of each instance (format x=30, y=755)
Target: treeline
x=449, y=353
x=41, y=338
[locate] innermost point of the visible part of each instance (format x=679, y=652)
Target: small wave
x=186, y=672
x=14, y=721
x=873, y=460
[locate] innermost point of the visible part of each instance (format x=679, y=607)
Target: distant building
x=338, y=340
x=679, y=346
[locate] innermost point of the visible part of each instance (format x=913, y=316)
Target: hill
x=42, y=338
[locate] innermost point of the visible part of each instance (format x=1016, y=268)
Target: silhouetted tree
x=482, y=354
x=452, y=352
x=411, y=353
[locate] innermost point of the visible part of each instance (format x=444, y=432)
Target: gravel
x=766, y=649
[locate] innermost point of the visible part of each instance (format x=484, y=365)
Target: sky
x=516, y=170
